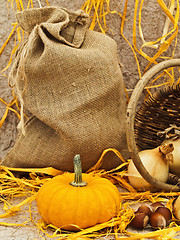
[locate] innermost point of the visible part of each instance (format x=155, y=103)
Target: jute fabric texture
x=69, y=78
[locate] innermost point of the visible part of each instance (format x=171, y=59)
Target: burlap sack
x=69, y=78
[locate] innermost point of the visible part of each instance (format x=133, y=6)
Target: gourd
x=70, y=203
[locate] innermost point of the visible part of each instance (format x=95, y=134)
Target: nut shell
x=144, y=209
x=140, y=220
x=166, y=213
x=155, y=205
x=157, y=220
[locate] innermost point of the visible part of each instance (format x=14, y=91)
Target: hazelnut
x=155, y=205
x=144, y=209
x=157, y=220
x=140, y=220
x=165, y=212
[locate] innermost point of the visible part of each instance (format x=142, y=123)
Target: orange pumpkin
x=69, y=203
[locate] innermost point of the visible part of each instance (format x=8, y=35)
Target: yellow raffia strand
x=164, y=234
x=12, y=186
x=98, y=164
x=19, y=4
x=11, y=3
x=170, y=79
x=148, y=44
x=30, y=3
x=14, y=224
x=49, y=170
x=3, y=118
x=8, y=107
x=134, y=32
x=7, y=40
x=165, y=44
x=47, y=2
x=168, y=20
x=100, y=9
x=162, y=43
x=17, y=207
x=10, y=60
x=172, y=33
x=20, y=37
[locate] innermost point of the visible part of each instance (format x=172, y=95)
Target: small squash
x=70, y=203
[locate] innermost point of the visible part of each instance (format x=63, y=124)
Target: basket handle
x=130, y=116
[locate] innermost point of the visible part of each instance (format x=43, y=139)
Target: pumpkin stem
x=78, y=182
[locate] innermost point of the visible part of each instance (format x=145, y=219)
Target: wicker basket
x=155, y=114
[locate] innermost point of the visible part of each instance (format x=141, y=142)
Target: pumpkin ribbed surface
x=64, y=205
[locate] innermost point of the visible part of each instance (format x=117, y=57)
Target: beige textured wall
x=152, y=24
